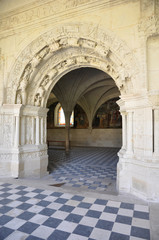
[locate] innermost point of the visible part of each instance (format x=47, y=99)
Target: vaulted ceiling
x=89, y=87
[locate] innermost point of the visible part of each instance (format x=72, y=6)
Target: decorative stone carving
x=31, y=155
x=71, y=61
x=81, y=59
x=5, y=157
x=86, y=43
x=25, y=77
x=19, y=98
x=52, y=72
x=103, y=51
x=43, y=87
x=43, y=52
x=121, y=76
x=39, y=56
x=54, y=46
x=72, y=39
x=39, y=95
x=24, y=80
x=45, y=81
x=149, y=25
x=7, y=130
x=63, y=42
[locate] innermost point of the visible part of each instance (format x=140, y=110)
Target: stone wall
x=83, y=137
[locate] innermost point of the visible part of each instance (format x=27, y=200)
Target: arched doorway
x=94, y=90
x=90, y=88
x=45, y=61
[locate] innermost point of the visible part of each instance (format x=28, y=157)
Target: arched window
x=60, y=117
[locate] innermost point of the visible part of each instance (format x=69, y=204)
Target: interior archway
x=91, y=88
x=45, y=62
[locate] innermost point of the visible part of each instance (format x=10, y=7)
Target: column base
x=9, y=163
x=26, y=161
x=33, y=161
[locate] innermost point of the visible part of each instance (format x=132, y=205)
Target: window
x=60, y=117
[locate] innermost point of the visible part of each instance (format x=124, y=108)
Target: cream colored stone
x=41, y=41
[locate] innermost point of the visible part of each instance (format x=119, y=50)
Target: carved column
x=45, y=130
x=17, y=131
x=156, y=132
x=42, y=130
x=13, y=130
x=23, y=132
x=130, y=133
x=33, y=130
x=37, y=130
x=124, y=130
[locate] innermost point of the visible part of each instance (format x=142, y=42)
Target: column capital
x=124, y=113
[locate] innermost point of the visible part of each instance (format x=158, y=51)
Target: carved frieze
x=47, y=9
x=32, y=155
x=5, y=157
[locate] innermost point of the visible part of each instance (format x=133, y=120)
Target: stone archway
x=90, y=46
x=38, y=69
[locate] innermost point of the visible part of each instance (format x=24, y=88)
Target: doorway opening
x=88, y=98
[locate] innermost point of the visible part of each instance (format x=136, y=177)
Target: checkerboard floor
x=31, y=213
x=86, y=168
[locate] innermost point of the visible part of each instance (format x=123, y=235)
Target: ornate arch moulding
x=102, y=50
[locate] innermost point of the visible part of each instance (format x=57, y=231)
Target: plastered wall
x=83, y=137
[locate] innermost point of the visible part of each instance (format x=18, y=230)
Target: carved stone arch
x=103, y=43
x=79, y=57
x=63, y=68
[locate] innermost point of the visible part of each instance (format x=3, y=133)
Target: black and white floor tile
x=86, y=168
x=36, y=214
